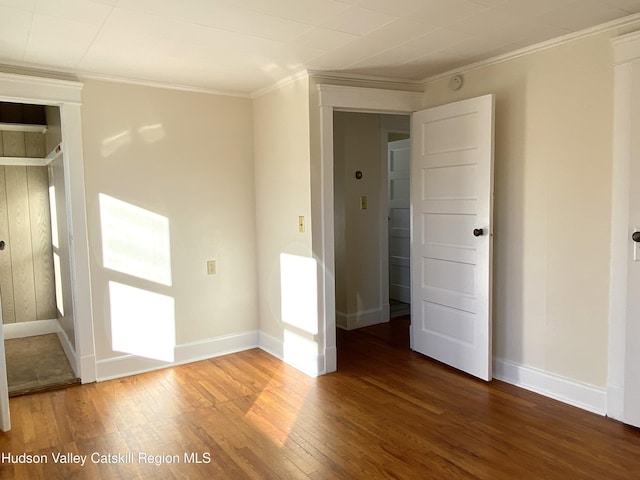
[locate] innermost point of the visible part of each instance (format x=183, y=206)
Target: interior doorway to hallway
x=371, y=218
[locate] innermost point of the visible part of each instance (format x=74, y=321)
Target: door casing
x=357, y=99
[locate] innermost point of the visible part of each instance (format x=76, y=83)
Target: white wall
x=552, y=204
x=189, y=158
x=282, y=172
x=358, y=245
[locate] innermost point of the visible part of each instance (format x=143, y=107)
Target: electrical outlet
x=211, y=267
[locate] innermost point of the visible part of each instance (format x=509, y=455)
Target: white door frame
x=67, y=96
x=357, y=99
x=623, y=327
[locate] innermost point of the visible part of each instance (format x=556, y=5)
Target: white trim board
x=362, y=318
x=581, y=395
x=30, y=329
x=31, y=69
x=126, y=365
x=68, y=350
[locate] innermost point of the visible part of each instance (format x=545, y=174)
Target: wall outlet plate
x=212, y=267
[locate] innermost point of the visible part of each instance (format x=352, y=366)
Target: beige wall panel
x=20, y=238
x=198, y=174
x=38, y=182
x=13, y=143
x=1, y=147
x=6, y=271
x=34, y=145
x=357, y=147
x=281, y=143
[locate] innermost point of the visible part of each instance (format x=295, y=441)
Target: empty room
x=319, y=239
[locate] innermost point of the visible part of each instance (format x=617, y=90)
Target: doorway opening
x=372, y=223
x=34, y=259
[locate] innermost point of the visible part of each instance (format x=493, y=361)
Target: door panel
x=451, y=194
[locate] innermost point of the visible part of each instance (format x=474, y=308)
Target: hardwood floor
x=387, y=413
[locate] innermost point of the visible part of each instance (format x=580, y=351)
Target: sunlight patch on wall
x=142, y=322
x=152, y=133
x=300, y=352
x=57, y=275
x=135, y=241
x=298, y=292
x=112, y=144
x=54, y=217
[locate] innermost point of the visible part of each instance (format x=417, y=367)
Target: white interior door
x=451, y=243
x=5, y=421
x=399, y=160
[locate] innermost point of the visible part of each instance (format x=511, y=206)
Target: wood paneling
x=13, y=143
x=27, y=281
x=24, y=293
x=387, y=413
x=34, y=145
x=40, y=217
x=6, y=269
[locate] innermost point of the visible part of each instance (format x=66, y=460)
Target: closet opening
x=35, y=286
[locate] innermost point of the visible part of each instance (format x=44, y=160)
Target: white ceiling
x=246, y=45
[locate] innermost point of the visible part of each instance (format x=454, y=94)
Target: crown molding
x=166, y=86
x=29, y=87
x=631, y=20
x=416, y=85
x=74, y=75
x=280, y=84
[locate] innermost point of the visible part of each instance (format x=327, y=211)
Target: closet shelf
x=23, y=127
x=33, y=162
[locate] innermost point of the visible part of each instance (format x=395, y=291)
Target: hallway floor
x=35, y=364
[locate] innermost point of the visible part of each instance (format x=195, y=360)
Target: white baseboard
x=69, y=351
x=127, y=365
x=615, y=402
x=30, y=329
x=581, y=395
x=363, y=318
x=330, y=360
x=304, y=360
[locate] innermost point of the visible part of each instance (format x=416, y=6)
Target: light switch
x=211, y=267
x=301, y=224
x=363, y=203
